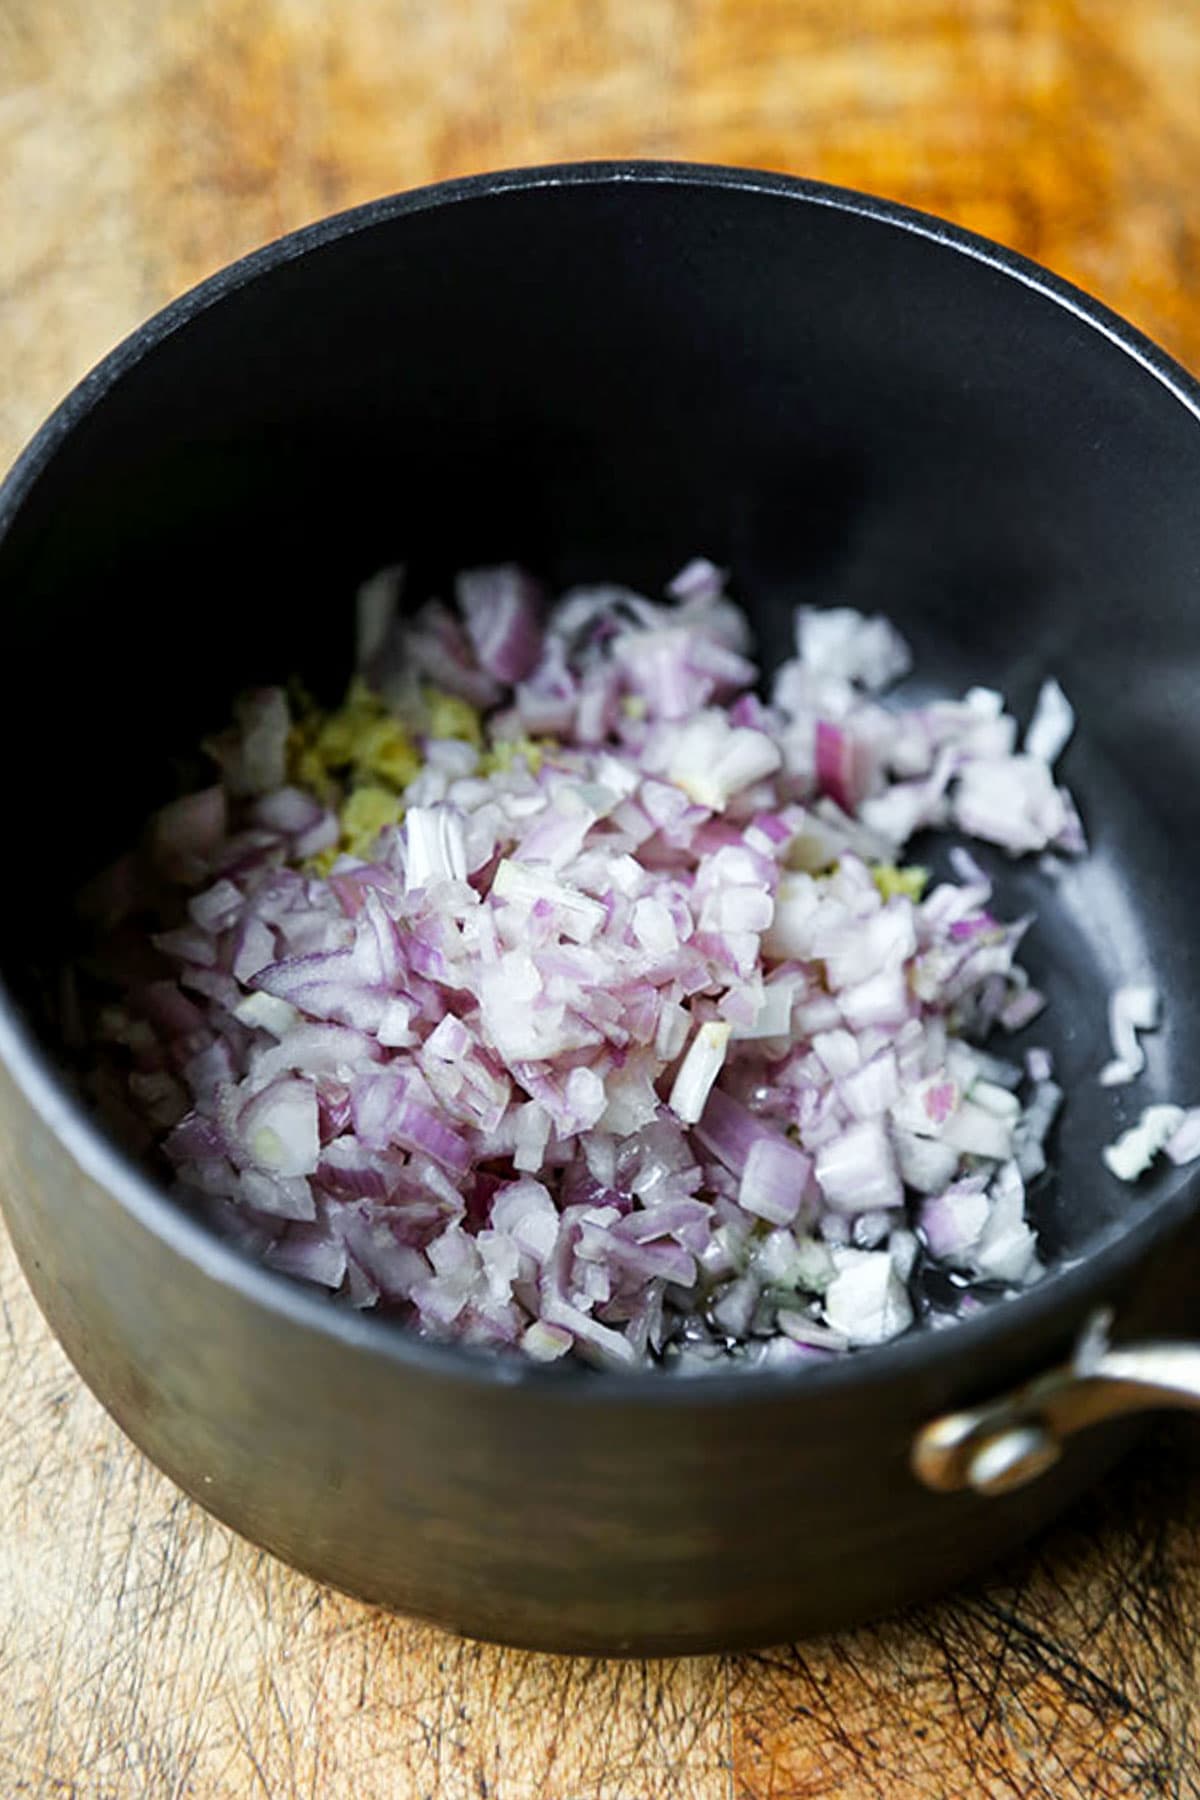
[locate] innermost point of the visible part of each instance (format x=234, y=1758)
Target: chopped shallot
x=1130, y=1010
x=557, y=992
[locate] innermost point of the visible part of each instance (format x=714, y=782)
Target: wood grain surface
x=144, y=1651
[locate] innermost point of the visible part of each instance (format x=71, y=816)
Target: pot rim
x=1066, y=1292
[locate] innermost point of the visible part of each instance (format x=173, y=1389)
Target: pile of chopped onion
x=559, y=992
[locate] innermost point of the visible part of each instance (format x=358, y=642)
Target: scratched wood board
x=143, y=1649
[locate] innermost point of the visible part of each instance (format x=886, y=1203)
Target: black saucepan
x=602, y=370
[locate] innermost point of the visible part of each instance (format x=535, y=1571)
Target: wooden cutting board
x=145, y=1651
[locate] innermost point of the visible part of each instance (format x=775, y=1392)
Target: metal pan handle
x=1014, y=1439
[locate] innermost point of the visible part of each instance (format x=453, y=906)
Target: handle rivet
x=1009, y=1458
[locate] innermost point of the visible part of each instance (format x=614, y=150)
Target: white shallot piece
x=1131, y=1009
x=1167, y=1129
